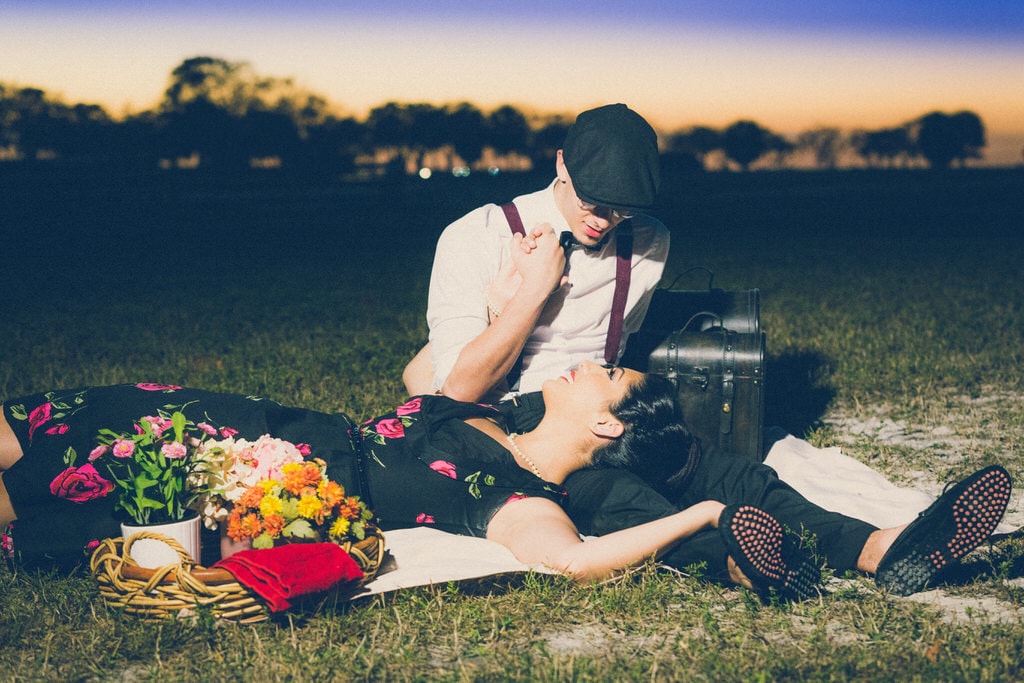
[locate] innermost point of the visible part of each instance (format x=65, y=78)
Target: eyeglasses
x=602, y=210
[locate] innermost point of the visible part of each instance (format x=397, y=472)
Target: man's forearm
x=488, y=359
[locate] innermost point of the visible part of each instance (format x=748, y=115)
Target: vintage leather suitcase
x=709, y=342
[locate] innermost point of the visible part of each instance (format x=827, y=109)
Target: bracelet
x=491, y=308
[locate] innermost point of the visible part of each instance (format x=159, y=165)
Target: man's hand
x=540, y=261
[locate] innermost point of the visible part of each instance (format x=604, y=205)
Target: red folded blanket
x=283, y=573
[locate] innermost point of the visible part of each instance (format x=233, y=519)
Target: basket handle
x=183, y=555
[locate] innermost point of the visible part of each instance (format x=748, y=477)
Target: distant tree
x=744, y=142
x=135, y=144
x=230, y=114
x=697, y=142
x=508, y=130
x=780, y=148
x=466, y=131
x=825, y=143
x=37, y=125
x=230, y=86
x=546, y=140
x=943, y=138
x=884, y=147
x=200, y=126
x=389, y=126
x=333, y=144
x=408, y=130
x=267, y=133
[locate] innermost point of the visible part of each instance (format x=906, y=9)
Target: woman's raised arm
x=538, y=531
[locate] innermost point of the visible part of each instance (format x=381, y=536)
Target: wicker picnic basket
x=167, y=591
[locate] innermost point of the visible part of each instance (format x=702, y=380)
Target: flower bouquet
x=266, y=492
x=232, y=465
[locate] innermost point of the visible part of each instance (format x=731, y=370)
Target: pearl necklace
x=522, y=456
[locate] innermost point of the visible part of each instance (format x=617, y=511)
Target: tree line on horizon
x=221, y=115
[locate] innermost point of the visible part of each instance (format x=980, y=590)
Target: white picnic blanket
x=825, y=476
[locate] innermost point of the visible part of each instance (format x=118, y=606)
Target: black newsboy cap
x=611, y=153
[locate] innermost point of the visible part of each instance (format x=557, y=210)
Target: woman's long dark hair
x=656, y=443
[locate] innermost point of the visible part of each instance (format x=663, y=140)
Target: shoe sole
x=975, y=512
x=768, y=556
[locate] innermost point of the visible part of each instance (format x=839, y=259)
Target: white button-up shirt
x=573, y=326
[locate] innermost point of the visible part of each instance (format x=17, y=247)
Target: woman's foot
x=768, y=556
x=959, y=521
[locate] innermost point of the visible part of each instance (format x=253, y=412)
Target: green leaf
x=299, y=528
x=262, y=542
x=178, y=422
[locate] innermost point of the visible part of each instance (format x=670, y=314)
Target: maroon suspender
x=515, y=222
x=623, y=270
x=623, y=261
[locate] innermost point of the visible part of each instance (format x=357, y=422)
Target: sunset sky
x=790, y=65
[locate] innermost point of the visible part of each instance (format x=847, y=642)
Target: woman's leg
x=10, y=449
x=10, y=453
x=735, y=480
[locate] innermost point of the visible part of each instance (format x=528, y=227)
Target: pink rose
x=208, y=428
x=39, y=416
x=174, y=450
x=151, y=386
x=409, y=407
x=227, y=431
x=80, y=484
x=391, y=428
x=98, y=452
x=304, y=448
x=424, y=518
x=444, y=467
x=123, y=448
x=58, y=429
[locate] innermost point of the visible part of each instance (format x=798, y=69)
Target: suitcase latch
x=701, y=377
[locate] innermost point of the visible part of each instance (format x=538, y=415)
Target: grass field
x=891, y=302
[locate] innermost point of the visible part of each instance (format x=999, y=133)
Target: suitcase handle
x=700, y=314
x=711, y=276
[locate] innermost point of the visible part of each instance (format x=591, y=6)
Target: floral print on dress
x=81, y=484
x=153, y=386
x=444, y=467
x=410, y=407
x=392, y=427
x=52, y=412
x=474, y=480
x=7, y=543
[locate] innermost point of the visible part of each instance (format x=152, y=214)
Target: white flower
x=230, y=466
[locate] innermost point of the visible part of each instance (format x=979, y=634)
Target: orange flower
x=273, y=525
x=297, y=476
x=243, y=527
x=251, y=498
x=350, y=509
x=331, y=492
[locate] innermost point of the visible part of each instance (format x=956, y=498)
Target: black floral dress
x=418, y=465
